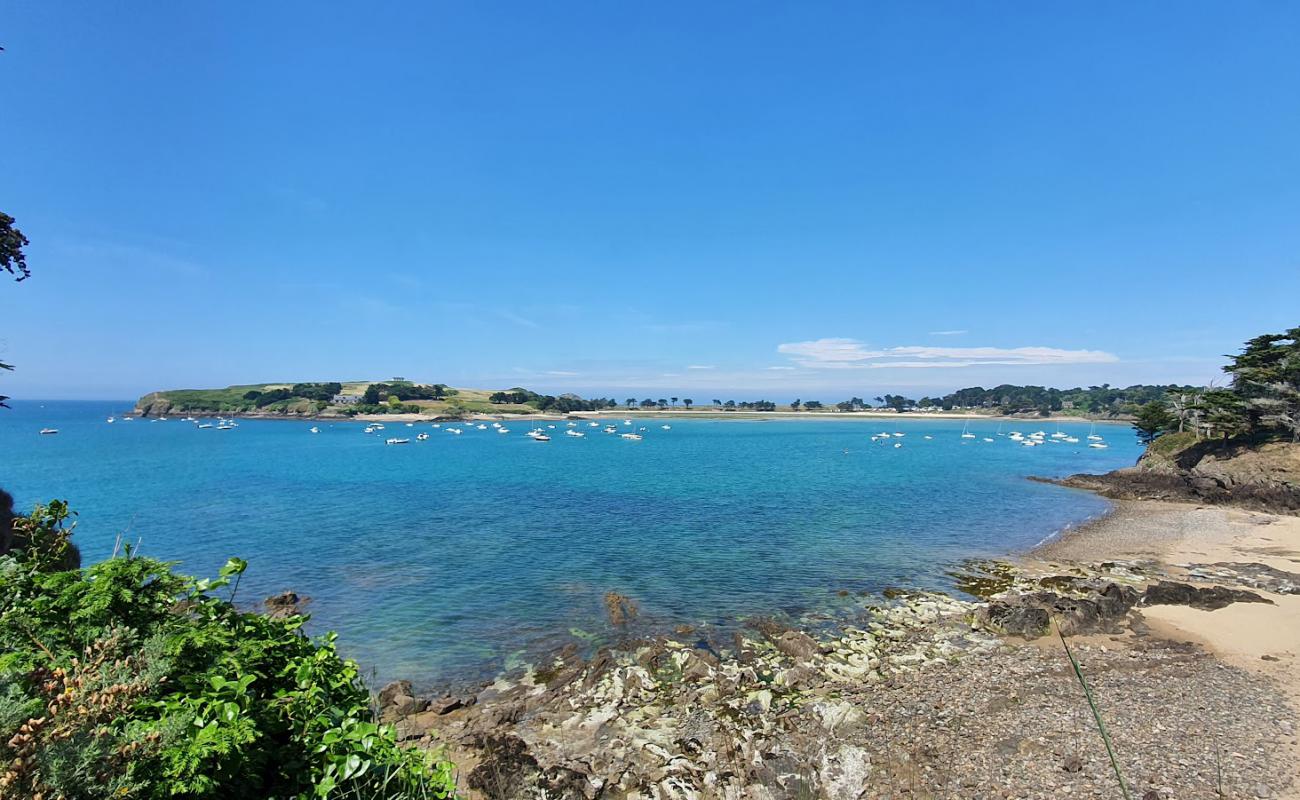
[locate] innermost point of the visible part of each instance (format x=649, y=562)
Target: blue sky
x=771, y=200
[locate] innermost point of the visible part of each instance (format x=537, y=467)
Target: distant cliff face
x=1264, y=477
x=153, y=405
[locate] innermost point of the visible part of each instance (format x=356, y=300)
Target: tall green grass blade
x=1096, y=715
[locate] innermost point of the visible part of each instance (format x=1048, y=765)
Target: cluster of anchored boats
x=538, y=434
x=1034, y=439
x=222, y=424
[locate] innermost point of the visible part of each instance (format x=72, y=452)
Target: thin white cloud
x=511, y=316
x=779, y=369
x=561, y=373
x=118, y=258
x=949, y=333
x=701, y=366
x=691, y=326
x=838, y=353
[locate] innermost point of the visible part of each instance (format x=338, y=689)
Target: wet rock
x=600, y=664
x=797, y=645
x=1030, y=615
x=1093, y=612
x=769, y=627
x=1170, y=593
x=621, y=609
x=393, y=690
x=397, y=700
x=285, y=604
x=448, y=704
x=1254, y=575
x=1028, y=622
x=402, y=706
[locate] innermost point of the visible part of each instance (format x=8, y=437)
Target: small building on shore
x=346, y=399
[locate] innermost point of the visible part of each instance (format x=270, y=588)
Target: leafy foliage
x=1104, y=400
x=13, y=261
x=545, y=402
x=12, y=242
x=1152, y=420
x=1266, y=379
x=1262, y=403
x=382, y=392
x=127, y=680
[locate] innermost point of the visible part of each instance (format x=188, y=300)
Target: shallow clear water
x=442, y=560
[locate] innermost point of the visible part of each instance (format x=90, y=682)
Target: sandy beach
x=1216, y=545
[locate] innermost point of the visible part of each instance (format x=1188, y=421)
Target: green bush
x=127, y=680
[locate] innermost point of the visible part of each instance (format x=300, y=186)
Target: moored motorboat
x=49, y=431
x=397, y=441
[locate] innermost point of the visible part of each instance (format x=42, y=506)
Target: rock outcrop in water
x=1264, y=477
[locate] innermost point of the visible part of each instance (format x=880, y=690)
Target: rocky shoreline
x=1264, y=477
x=922, y=695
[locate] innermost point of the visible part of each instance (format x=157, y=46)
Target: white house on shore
x=346, y=399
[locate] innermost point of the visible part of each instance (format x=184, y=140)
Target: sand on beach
x=1180, y=535
x=1261, y=638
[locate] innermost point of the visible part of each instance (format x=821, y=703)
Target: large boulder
x=284, y=604
x=1030, y=615
x=397, y=700
x=1170, y=593
x=797, y=645
x=1028, y=622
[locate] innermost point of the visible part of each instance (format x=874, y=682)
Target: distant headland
x=398, y=396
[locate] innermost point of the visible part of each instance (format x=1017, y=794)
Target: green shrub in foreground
x=126, y=680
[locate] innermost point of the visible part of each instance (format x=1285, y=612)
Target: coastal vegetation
x=128, y=680
x=545, y=402
x=1261, y=403
x=13, y=261
x=350, y=398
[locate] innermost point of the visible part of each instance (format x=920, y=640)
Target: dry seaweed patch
x=912, y=702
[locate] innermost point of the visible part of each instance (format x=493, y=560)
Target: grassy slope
x=231, y=398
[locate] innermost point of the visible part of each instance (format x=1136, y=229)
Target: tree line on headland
x=1262, y=401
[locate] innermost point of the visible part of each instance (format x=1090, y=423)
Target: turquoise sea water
x=447, y=559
